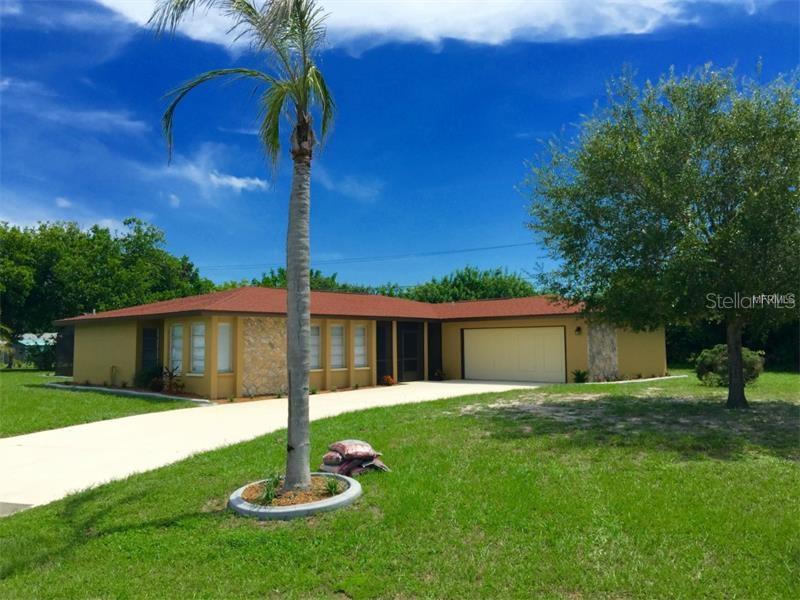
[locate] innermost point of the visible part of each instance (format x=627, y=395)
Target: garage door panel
x=515, y=353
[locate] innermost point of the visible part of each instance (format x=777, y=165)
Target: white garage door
x=515, y=354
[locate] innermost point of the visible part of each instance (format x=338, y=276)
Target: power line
x=366, y=259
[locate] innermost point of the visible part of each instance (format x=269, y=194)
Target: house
x=233, y=343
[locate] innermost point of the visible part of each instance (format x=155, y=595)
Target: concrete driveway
x=38, y=468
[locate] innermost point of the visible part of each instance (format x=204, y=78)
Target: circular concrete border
x=283, y=513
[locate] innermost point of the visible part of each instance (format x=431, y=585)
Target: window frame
x=332, y=337
x=192, y=370
x=179, y=368
x=229, y=327
x=319, y=365
x=356, y=363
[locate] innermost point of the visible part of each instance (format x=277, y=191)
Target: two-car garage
x=515, y=354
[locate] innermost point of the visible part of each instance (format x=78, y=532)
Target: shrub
x=42, y=357
x=580, y=376
x=144, y=378
x=387, y=380
x=171, y=380
x=711, y=365
x=438, y=375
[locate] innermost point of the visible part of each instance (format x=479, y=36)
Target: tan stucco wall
x=641, y=353
x=105, y=353
x=575, y=344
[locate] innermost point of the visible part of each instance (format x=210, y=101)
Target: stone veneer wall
x=264, y=360
x=602, y=350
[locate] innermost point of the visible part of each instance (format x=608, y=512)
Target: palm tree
x=288, y=33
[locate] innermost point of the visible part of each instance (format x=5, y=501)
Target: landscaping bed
x=319, y=490
x=501, y=495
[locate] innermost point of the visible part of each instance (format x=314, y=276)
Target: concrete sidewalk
x=38, y=468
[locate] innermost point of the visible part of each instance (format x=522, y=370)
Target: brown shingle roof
x=258, y=300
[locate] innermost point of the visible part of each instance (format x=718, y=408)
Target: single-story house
x=233, y=343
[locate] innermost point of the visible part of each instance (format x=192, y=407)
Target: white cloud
x=237, y=183
x=353, y=24
x=10, y=7
x=102, y=121
x=35, y=100
x=350, y=186
x=174, y=201
x=240, y=130
x=62, y=202
x=202, y=171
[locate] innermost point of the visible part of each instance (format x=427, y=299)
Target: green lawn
x=26, y=405
x=648, y=491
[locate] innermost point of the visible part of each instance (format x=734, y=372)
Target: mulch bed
x=318, y=491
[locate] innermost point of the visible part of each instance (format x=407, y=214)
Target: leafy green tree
x=57, y=270
x=676, y=201
x=471, y=283
x=287, y=34
x=276, y=278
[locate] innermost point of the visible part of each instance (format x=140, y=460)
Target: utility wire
x=367, y=259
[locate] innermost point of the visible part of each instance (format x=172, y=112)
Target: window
x=316, y=358
x=360, y=346
x=224, y=349
x=176, y=348
x=337, y=347
x=198, y=358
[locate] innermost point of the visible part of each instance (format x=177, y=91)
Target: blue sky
x=439, y=106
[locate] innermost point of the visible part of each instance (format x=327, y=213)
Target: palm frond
x=321, y=96
x=290, y=32
x=273, y=106
x=168, y=13
x=180, y=93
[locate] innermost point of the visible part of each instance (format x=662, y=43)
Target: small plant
x=711, y=365
x=356, y=386
x=438, y=375
x=313, y=391
x=231, y=398
x=331, y=486
x=334, y=389
x=388, y=380
x=580, y=376
x=124, y=384
x=269, y=488
x=172, y=380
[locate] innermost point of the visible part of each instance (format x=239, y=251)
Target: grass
x=650, y=490
x=26, y=405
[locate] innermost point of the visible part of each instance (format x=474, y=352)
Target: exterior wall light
x=578, y=330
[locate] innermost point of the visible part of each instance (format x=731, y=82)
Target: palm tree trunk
x=736, y=398
x=298, y=304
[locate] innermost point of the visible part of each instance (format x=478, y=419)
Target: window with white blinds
x=224, y=348
x=176, y=348
x=197, y=363
x=316, y=357
x=337, y=347
x=360, y=346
